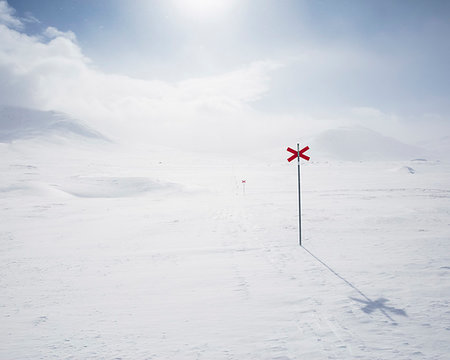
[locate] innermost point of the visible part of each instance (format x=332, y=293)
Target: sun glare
x=203, y=9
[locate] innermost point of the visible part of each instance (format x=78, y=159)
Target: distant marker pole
x=299, y=198
x=243, y=186
x=299, y=154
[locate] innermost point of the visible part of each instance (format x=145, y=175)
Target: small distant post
x=297, y=155
x=243, y=186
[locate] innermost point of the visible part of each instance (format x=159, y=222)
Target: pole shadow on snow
x=370, y=305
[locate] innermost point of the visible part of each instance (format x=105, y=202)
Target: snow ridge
x=361, y=144
x=21, y=123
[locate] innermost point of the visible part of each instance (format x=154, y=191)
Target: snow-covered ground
x=115, y=253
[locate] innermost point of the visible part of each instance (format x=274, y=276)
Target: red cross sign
x=298, y=154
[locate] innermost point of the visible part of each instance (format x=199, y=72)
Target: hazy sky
x=303, y=65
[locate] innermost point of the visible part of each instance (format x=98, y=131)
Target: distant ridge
x=438, y=148
x=361, y=144
x=22, y=123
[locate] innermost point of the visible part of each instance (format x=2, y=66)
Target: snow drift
x=112, y=186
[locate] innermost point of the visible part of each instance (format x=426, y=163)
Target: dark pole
x=299, y=200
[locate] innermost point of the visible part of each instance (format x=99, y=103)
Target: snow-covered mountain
x=440, y=148
x=361, y=144
x=21, y=123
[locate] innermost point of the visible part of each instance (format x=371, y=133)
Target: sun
x=204, y=9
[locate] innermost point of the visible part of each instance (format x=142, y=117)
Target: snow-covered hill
x=21, y=123
x=361, y=144
x=438, y=148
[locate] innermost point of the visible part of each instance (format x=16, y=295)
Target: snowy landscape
x=115, y=253
x=158, y=219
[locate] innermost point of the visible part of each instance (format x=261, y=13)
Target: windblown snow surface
x=113, y=253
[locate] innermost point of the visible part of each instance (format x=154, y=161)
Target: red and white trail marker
x=297, y=155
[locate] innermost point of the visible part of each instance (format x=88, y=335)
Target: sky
x=239, y=71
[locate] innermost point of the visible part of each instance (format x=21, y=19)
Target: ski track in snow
x=106, y=262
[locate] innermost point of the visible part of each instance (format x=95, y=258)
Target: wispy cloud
x=7, y=16
x=29, y=18
x=52, y=32
x=323, y=82
x=50, y=72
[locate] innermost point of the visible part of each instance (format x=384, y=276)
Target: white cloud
x=55, y=75
x=52, y=32
x=7, y=16
x=367, y=112
x=50, y=72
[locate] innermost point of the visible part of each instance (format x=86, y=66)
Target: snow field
x=114, y=255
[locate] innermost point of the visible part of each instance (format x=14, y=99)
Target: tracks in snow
x=315, y=331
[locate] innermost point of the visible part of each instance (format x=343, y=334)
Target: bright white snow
x=115, y=253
